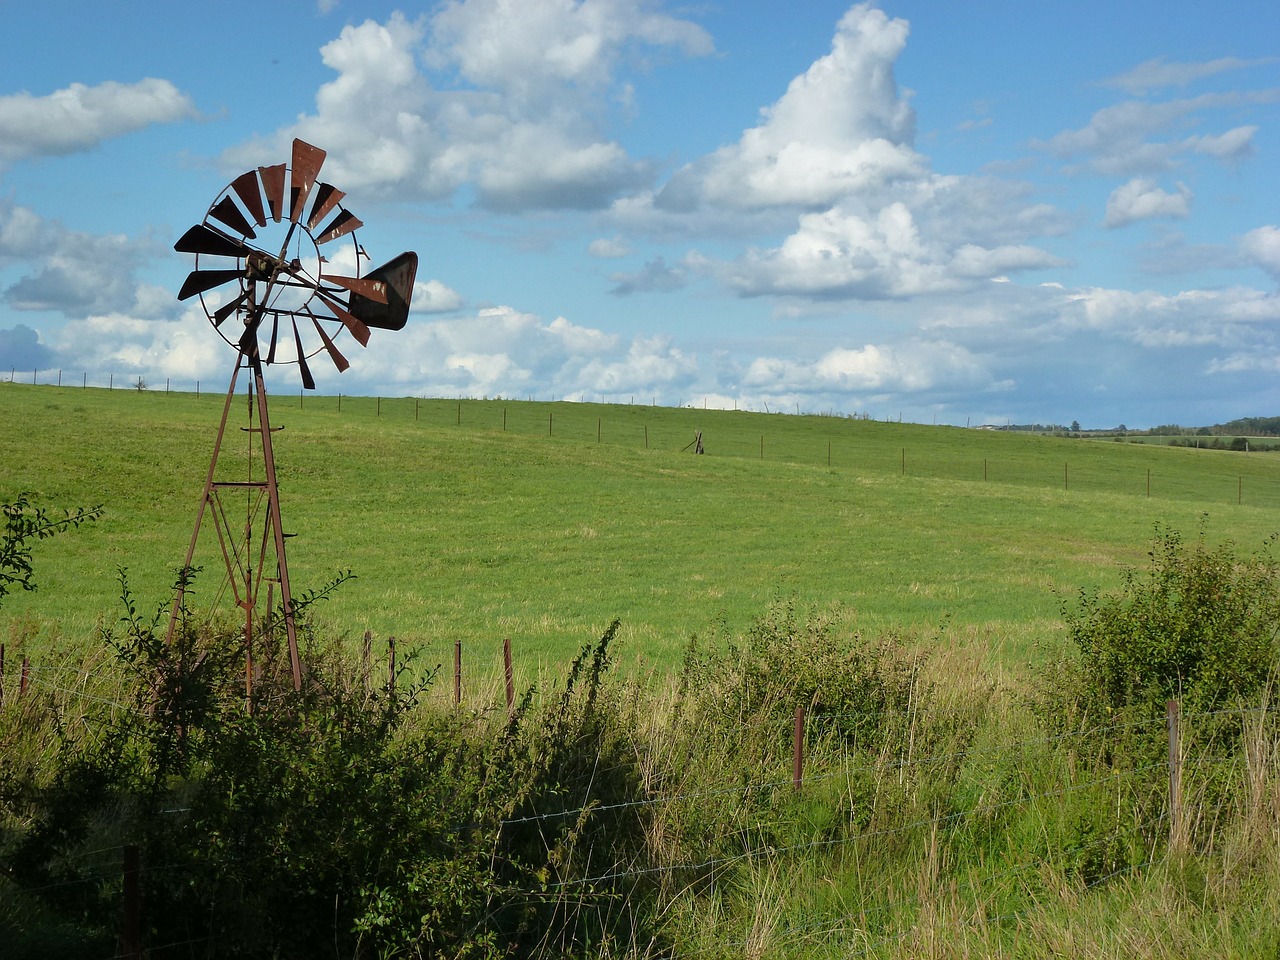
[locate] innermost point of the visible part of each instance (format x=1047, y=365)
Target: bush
x=343, y=818
x=1199, y=624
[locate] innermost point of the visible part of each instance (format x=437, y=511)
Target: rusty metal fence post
x=1177, y=826
x=797, y=750
x=510, y=675
x=457, y=673
x=131, y=929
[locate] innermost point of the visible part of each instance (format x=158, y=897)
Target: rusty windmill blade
x=307, y=160
x=352, y=323
x=308, y=381
x=396, y=277
x=275, y=332
x=335, y=355
x=205, y=240
x=367, y=287
x=344, y=223
x=273, y=189
x=198, y=281
x=247, y=189
x=327, y=197
x=227, y=309
x=226, y=211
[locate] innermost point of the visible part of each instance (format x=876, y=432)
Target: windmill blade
x=275, y=331
x=338, y=359
x=396, y=276
x=273, y=187
x=307, y=160
x=308, y=381
x=367, y=287
x=343, y=223
x=327, y=197
x=352, y=323
x=250, y=194
x=203, y=239
x=227, y=309
x=227, y=212
x=198, y=281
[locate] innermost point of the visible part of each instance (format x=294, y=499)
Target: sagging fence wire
x=777, y=851
x=844, y=771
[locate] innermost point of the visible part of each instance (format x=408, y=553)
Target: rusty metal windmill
x=277, y=251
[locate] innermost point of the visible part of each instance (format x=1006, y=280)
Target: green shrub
x=1199, y=625
x=342, y=818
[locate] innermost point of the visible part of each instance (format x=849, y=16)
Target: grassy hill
x=476, y=520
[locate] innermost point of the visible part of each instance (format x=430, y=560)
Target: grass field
x=476, y=520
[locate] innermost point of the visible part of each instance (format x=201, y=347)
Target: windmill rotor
x=278, y=249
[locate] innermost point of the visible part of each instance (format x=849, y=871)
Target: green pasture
x=476, y=520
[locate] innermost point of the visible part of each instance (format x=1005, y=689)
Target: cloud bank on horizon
x=603, y=211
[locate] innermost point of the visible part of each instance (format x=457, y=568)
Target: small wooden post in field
x=131, y=930
x=457, y=672
x=378, y=412
x=549, y=415
x=599, y=422
x=391, y=666
x=459, y=413
x=511, y=680
x=1176, y=825
x=416, y=403
x=366, y=659
x=904, y=461
x=797, y=750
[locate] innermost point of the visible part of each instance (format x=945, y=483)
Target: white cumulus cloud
x=1142, y=199
x=79, y=117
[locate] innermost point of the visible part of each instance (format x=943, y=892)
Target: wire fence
x=838, y=441
x=1153, y=802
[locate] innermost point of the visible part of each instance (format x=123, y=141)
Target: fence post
x=511, y=686
x=457, y=672
x=131, y=931
x=366, y=658
x=797, y=750
x=548, y=424
x=391, y=666
x=1176, y=826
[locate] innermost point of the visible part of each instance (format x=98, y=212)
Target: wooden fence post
x=457, y=672
x=1176, y=825
x=366, y=659
x=797, y=750
x=511, y=686
x=131, y=931
x=391, y=666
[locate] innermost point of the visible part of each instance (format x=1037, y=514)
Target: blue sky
x=948, y=213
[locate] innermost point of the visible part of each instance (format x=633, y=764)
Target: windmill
x=278, y=274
